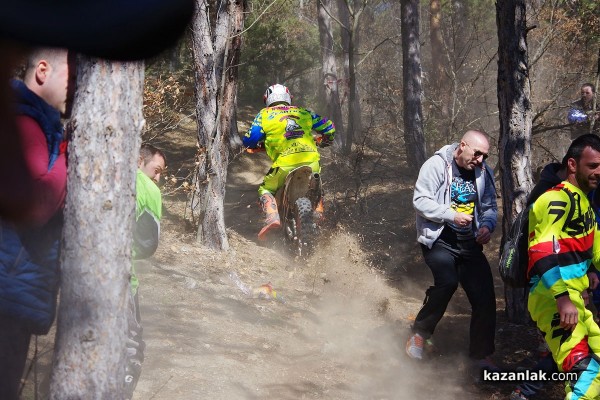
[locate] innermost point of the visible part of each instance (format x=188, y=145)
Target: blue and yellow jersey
x=562, y=230
x=287, y=134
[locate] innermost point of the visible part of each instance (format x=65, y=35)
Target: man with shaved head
x=455, y=203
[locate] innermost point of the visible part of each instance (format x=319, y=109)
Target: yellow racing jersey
x=562, y=230
x=287, y=134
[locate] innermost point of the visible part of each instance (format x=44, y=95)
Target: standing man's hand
x=462, y=219
x=483, y=235
x=568, y=312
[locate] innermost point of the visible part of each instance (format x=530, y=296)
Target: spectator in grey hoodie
x=455, y=203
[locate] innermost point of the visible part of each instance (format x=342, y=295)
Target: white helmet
x=277, y=94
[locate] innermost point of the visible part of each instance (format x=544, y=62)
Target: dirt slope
x=338, y=326
x=336, y=330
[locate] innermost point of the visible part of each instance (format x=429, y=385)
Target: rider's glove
x=324, y=141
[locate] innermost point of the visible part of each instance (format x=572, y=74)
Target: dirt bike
x=300, y=206
x=300, y=203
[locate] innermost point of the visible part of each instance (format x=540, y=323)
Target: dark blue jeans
x=454, y=261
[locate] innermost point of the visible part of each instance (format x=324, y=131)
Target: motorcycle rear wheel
x=306, y=228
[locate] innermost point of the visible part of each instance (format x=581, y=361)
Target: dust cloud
x=362, y=328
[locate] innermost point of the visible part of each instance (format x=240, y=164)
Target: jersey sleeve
x=255, y=134
x=559, y=254
x=323, y=126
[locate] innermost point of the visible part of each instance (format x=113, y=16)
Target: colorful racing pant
x=573, y=351
x=275, y=178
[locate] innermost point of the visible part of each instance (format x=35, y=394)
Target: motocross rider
x=285, y=131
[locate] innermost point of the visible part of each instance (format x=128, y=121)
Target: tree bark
x=437, y=44
x=439, y=81
x=216, y=59
x=329, y=70
x=515, y=115
x=89, y=360
x=354, y=109
x=414, y=139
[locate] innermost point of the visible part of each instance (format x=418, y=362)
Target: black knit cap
x=112, y=29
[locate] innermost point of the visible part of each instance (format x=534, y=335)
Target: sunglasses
x=477, y=153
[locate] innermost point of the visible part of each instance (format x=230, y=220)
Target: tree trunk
x=350, y=18
x=514, y=142
x=437, y=44
x=216, y=60
x=206, y=90
x=439, y=81
x=344, y=18
x=414, y=139
x=329, y=70
x=354, y=119
x=231, y=83
x=89, y=360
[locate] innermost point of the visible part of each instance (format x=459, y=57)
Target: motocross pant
x=275, y=178
x=573, y=351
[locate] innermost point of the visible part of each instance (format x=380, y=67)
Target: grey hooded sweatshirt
x=432, y=196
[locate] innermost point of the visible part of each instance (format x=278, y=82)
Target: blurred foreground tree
x=89, y=359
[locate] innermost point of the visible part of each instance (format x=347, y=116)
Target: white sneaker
x=414, y=347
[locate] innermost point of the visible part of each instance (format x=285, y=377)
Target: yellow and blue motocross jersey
x=562, y=230
x=287, y=134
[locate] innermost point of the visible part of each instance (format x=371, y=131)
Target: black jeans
x=454, y=261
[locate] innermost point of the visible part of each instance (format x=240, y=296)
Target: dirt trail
x=338, y=327
x=339, y=332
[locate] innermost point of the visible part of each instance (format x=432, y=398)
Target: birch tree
x=90, y=354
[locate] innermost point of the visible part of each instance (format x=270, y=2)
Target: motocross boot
x=269, y=207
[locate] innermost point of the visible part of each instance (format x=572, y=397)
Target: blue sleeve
x=489, y=207
x=255, y=134
x=576, y=115
x=323, y=125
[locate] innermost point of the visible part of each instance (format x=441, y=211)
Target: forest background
x=399, y=79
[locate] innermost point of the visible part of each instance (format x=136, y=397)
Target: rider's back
x=287, y=134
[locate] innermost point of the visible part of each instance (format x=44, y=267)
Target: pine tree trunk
x=329, y=70
x=439, y=80
x=344, y=18
x=514, y=142
x=216, y=60
x=414, y=139
x=89, y=360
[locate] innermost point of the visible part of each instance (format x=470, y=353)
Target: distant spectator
x=581, y=114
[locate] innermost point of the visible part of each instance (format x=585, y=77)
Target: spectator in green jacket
x=148, y=212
